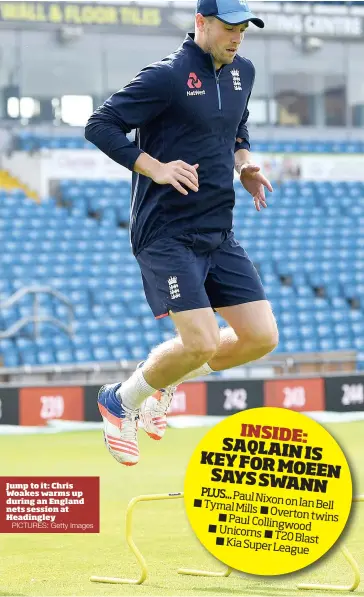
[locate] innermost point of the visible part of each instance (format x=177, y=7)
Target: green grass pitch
x=61, y=564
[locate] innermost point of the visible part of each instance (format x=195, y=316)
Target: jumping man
x=190, y=112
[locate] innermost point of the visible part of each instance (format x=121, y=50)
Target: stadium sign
x=313, y=25
x=174, y=19
x=80, y=14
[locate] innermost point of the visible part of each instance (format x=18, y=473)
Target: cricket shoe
x=153, y=412
x=120, y=426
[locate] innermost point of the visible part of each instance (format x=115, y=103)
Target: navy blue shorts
x=193, y=271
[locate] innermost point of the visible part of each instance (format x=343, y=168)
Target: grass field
x=61, y=564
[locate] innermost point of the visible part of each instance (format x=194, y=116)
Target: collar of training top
x=206, y=57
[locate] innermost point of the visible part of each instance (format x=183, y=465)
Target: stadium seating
x=308, y=247
x=28, y=141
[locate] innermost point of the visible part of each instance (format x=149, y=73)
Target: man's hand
x=254, y=182
x=177, y=173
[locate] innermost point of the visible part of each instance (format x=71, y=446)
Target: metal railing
x=276, y=365
x=36, y=318
x=288, y=365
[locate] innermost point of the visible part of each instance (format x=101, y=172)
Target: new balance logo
x=236, y=79
x=195, y=84
x=173, y=287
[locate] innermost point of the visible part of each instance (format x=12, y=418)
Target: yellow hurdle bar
x=142, y=563
x=352, y=563
x=129, y=520
x=191, y=572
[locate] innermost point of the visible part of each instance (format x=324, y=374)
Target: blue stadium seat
x=83, y=355
x=328, y=344
x=289, y=318
x=324, y=331
x=117, y=310
x=293, y=345
x=65, y=356
x=152, y=337
x=61, y=341
x=103, y=353
x=92, y=265
x=45, y=357
x=333, y=291
x=27, y=356
x=356, y=315
x=138, y=352
x=11, y=358
x=82, y=311
x=310, y=345
x=345, y=343
x=116, y=339
x=305, y=291
x=342, y=329
x=359, y=343
x=308, y=331
x=121, y=353
x=339, y=303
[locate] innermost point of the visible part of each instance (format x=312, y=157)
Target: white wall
x=25, y=167
x=40, y=169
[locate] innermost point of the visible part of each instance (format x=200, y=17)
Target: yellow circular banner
x=268, y=491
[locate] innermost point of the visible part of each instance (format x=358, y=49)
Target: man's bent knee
x=201, y=348
x=201, y=345
x=270, y=342
x=200, y=335
x=266, y=340
x=200, y=354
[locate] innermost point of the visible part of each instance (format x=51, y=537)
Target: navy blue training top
x=183, y=110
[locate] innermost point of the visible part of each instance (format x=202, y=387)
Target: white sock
x=200, y=372
x=134, y=390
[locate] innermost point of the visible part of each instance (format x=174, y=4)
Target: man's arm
x=250, y=177
x=242, y=141
x=143, y=99
x=242, y=156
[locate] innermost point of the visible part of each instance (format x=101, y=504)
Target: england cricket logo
x=173, y=287
x=236, y=79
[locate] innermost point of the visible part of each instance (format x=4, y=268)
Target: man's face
x=222, y=40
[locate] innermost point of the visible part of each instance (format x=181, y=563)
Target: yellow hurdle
x=352, y=563
x=191, y=572
x=141, y=561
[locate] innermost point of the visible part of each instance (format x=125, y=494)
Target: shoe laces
x=130, y=423
x=163, y=405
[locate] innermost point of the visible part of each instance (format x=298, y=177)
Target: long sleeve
x=139, y=102
x=242, y=132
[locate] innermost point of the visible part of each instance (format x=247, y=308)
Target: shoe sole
x=154, y=436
